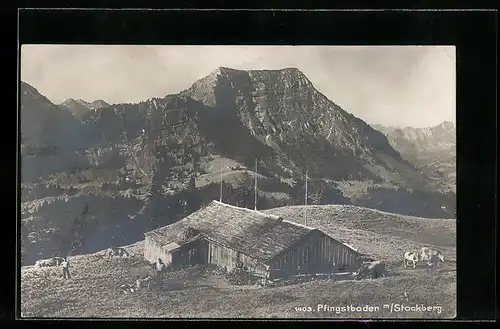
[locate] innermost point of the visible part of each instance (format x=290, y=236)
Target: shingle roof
x=258, y=235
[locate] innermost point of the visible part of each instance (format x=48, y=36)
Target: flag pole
x=255, y=204
x=305, y=203
x=220, y=197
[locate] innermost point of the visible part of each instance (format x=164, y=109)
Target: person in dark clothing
x=65, y=268
x=160, y=268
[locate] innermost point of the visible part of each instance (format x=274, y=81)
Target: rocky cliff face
x=149, y=138
x=283, y=111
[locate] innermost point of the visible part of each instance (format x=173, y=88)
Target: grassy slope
x=384, y=235
x=213, y=172
x=195, y=293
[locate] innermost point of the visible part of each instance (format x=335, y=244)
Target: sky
x=390, y=85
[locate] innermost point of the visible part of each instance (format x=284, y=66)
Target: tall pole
x=255, y=184
x=220, y=198
x=305, y=204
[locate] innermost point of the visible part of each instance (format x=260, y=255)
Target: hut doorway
x=308, y=266
x=193, y=257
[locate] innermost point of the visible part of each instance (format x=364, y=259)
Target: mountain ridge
x=245, y=96
x=434, y=138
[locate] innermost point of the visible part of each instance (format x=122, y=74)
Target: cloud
x=400, y=86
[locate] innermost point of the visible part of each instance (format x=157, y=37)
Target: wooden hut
x=266, y=245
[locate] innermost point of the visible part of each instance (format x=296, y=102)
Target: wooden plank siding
x=226, y=257
x=207, y=252
x=198, y=250
x=152, y=251
x=317, y=252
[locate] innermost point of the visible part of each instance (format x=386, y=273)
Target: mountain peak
x=287, y=74
x=283, y=70
x=225, y=70
x=99, y=104
x=25, y=89
x=83, y=102
x=221, y=69
x=448, y=125
x=77, y=107
x=70, y=101
x=215, y=88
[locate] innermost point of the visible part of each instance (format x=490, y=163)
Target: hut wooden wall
x=316, y=253
x=152, y=251
x=206, y=252
x=223, y=256
x=180, y=256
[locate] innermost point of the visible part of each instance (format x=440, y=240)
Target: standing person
x=160, y=268
x=65, y=268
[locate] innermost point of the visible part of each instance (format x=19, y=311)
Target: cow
x=44, y=262
x=410, y=257
x=431, y=256
x=58, y=260
x=372, y=270
x=116, y=251
x=126, y=288
x=48, y=262
x=144, y=283
x=54, y=261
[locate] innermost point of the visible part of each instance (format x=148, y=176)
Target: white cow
x=116, y=252
x=126, y=288
x=410, y=257
x=431, y=256
x=58, y=260
x=47, y=262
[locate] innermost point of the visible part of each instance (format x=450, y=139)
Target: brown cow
x=372, y=270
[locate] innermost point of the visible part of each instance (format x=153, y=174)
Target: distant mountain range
x=80, y=108
x=121, y=157
x=414, y=143
x=432, y=149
